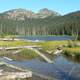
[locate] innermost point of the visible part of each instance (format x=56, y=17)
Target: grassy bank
x=24, y=54
x=74, y=51
x=52, y=45
x=27, y=53
x=14, y=43
x=46, y=45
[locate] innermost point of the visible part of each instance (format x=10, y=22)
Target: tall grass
x=24, y=54
x=14, y=43
x=75, y=51
x=27, y=53
x=52, y=45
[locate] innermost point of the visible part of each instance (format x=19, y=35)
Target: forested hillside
x=51, y=24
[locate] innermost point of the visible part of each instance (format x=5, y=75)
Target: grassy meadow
x=14, y=43
x=52, y=45
x=47, y=46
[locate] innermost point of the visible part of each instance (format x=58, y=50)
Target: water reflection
x=74, y=59
x=60, y=69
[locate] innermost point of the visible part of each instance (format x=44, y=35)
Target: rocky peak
x=22, y=14
x=46, y=12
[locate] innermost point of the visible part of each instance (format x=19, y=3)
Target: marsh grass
x=46, y=45
x=25, y=54
x=14, y=43
x=74, y=51
x=52, y=45
x=49, y=46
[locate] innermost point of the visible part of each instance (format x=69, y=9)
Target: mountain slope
x=68, y=24
x=22, y=14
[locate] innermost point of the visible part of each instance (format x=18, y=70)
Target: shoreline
x=9, y=39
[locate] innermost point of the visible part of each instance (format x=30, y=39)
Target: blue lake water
x=61, y=68
x=46, y=38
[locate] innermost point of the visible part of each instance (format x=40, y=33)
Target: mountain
x=76, y=14
x=45, y=22
x=22, y=14
x=43, y=13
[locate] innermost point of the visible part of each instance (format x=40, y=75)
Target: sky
x=60, y=6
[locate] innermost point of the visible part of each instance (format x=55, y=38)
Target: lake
x=61, y=68
x=45, y=38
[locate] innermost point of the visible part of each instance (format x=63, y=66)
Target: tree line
x=61, y=25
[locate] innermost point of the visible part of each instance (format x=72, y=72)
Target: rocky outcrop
x=22, y=14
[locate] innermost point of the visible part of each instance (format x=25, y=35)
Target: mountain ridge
x=68, y=24
x=22, y=14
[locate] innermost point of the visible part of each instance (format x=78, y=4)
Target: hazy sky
x=61, y=6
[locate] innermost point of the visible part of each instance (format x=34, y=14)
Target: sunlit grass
x=75, y=51
x=24, y=54
x=14, y=43
x=45, y=45
x=48, y=46
x=27, y=53
x=52, y=45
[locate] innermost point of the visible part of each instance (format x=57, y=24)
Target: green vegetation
x=24, y=54
x=15, y=43
x=69, y=48
x=27, y=53
x=51, y=46
x=61, y=25
x=75, y=51
x=72, y=49
x=46, y=45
